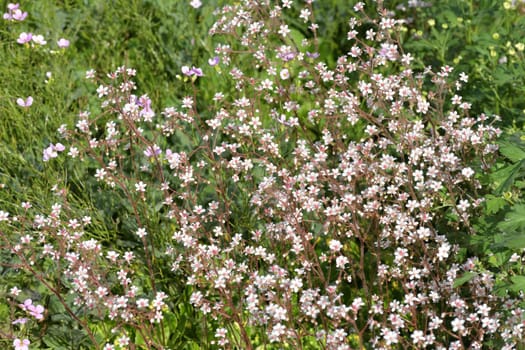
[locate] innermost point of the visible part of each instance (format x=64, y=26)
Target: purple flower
x=22, y=320
x=192, y=71
x=24, y=38
x=186, y=70
x=26, y=304
x=312, y=54
x=152, y=151
x=63, y=43
x=214, y=61
x=288, y=56
x=197, y=71
x=143, y=101
x=24, y=103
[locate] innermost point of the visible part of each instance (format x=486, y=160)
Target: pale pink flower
x=195, y=4
x=63, y=43
x=21, y=344
x=24, y=103
x=24, y=38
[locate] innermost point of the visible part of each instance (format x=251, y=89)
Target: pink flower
x=14, y=291
x=36, y=311
x=14, y=13
x=24, y=103
x=22, y=320
x=186, y=70
x=24, y=38
x=192, y=71
x=195, y=4
x=21, y=344
x=63, y=43
x=213, y=61
x=52, y=151
x=18, y=15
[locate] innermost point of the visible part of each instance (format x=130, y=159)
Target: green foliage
x=481, y=38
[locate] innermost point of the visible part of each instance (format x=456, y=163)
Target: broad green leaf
x=518, y=283
x=494, y=204
x=512, y=151
x=467, y=276
x=296, y=36
x=514, y=220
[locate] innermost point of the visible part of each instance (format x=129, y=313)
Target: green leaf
x=296, y=36
x=512, y=151
x=53, y=342
x=494, y=204
x=514, y=220
x=518, y=283
x=513, y=241
x=498, y=259
x=506, y=176
x=467, y=276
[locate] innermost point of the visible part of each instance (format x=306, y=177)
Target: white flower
x=141, y=232
x=39, y=39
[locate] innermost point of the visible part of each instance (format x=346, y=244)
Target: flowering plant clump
x=306, y=205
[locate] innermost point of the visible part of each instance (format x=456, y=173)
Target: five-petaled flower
x=24, y=38
x=21, y=344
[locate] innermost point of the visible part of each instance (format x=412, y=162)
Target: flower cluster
x=14, y=13
x=307, y=203
x=103, y=284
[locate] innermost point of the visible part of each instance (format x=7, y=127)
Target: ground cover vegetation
x=262, y=174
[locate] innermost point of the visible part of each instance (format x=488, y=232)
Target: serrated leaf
x=497, y=260
x=494, y=204
x=514, y=220
x=518, y=283
x=512, y=151
x=467, y=276
x=514, y=241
